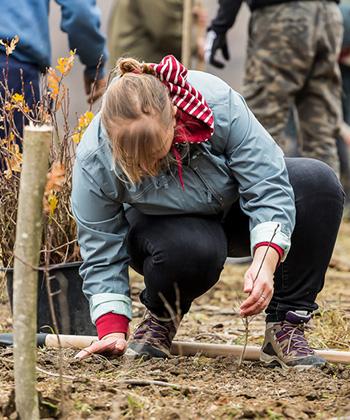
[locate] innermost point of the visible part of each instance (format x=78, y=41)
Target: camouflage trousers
x=292, y=62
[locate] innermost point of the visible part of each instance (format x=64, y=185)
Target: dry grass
x=331, y=330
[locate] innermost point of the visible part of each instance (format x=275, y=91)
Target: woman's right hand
x=111, y=345
x=258, y=281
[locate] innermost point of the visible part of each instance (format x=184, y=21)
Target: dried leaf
x=14, y=161
x=55, y=178
x=83, y=123
x=19, y=102
x=65, y=64
x=53, y=82
x=16, y=97
x=10, y=46
x=53, y=201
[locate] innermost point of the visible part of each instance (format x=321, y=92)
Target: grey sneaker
x=152, y=337
x=285, y=343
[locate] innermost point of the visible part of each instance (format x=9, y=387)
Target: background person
x=171, y=178
x=29, y=20
x=292, y=60
x=150, y=29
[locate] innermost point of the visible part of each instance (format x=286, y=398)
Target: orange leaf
x=53, y=82
x=65, y=64
x=55, y=178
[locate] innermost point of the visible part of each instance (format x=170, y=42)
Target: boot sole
x=273, y=361
x=145, y=351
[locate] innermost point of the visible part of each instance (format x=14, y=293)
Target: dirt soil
x=200, y=387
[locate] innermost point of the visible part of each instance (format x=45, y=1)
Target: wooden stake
x=186, y=33
x=28, y=243
x=251, y=353
x=191, y=348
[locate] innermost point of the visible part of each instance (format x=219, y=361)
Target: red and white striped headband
x=186, y=98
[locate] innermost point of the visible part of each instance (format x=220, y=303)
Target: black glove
x=213, y=43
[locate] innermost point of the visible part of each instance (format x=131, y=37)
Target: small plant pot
x=71, y=306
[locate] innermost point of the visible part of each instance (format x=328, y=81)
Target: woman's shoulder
x=227, y=104
x=213, y=89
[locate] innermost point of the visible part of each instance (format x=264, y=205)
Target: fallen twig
x=133, y=382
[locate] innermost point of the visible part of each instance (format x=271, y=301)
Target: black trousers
x=181, y=257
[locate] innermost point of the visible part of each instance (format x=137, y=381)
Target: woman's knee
x=180, y=244
x=311, y=176
x=190, y=256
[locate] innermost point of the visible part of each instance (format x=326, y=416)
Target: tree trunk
x=187, y=33
x=27, y=248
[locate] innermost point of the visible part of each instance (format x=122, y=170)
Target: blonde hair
x=136, y=113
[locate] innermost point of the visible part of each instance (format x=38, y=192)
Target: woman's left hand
x=260, y=288
x=112, y=345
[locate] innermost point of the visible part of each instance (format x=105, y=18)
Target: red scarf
x=194, y=117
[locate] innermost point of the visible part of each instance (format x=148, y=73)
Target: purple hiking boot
x=152, y=337
x=285, y=343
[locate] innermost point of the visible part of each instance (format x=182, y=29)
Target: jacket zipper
x=211, y=191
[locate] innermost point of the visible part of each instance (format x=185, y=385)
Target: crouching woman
x=172, y=176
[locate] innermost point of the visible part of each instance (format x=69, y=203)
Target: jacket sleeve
x=102, y=230
x=81, y=21
x=258, y=165
x=226, y=15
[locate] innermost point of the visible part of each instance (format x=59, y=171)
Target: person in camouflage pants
x=292, y=60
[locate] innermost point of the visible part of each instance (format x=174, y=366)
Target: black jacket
x=228, y=10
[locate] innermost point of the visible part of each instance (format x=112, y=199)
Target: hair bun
x=130, y=65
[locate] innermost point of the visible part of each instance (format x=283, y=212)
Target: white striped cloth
x=187, y=99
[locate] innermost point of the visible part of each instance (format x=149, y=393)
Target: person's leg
x=127, y=34
x=22, y=78
x=180, y=257
x=276, y=65
x=175, y=253
x=319, y=203
x=164, y=26
x=319, y=104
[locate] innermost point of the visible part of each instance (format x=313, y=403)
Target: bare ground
x=199, y=387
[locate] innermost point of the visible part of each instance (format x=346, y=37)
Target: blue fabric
x=29, y=20
x=30, y=73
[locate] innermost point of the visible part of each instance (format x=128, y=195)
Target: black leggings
x=182, y=256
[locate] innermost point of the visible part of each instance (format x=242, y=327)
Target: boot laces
x=297, y=342
x=154, y=331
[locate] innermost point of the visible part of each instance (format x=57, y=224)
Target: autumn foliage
x=59, y=238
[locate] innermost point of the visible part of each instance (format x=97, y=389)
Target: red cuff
x=111, y=323
x=274, y=246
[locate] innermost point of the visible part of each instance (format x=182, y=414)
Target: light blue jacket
x=240, y=162
x=29, y=20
